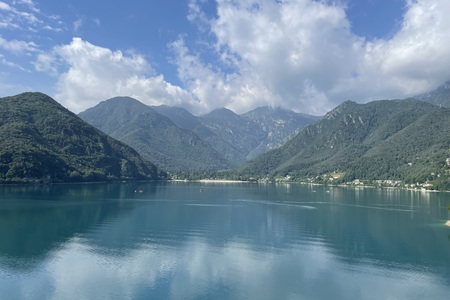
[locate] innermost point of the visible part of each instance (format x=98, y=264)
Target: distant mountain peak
x=339, y=109
x=439, y=96
x=154, y=135
x=221, y=113
x=124, y=100
x=222, y=110
x=382, y=140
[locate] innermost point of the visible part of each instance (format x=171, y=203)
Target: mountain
x=241, y=137
x=153, y=135
x=239, y=134
x=439, y=96
x=186, y=120
x=406, y=140
x=42, y=141
x=179, y=116
x=278, y=125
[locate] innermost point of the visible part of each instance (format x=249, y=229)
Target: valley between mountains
x=389, y=142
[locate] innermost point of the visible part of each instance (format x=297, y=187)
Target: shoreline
x=311, y=183
x=210, y=181
x=231, y=181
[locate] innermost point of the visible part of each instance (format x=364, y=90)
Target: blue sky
x=305, y=55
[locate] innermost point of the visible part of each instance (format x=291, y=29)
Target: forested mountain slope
x=406, y=140
x=153, y=135
x=42, y=141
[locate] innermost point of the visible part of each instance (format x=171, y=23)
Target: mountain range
x=153, y=135
x=397, y=141
x=179, y=142
x=405, y=140
x=241, y=137
x=41, y=141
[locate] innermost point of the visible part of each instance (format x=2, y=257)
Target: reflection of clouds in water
x=235, y=271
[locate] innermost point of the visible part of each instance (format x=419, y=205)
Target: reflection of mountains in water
x=353, y=225
x=393, y=228
x=35, y=220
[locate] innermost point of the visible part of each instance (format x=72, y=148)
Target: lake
x=222, y=241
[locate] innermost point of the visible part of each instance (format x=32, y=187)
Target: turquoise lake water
x=222, y=241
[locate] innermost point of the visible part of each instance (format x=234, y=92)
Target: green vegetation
x=41, y=141
x=154, y=136
x=182, y=143
x=379, y=142
x=383, y=143
x=239, y=138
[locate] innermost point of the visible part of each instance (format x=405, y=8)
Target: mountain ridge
x=153, y=135
x=373, y=141
x=241, y=137
x=42, y=141
x=439, y=96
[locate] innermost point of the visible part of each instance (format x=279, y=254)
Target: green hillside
x=154, y=136
x=41, y=141
x=406, y=141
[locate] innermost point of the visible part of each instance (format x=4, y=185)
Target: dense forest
x=41, y=141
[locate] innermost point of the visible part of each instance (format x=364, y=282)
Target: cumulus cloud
x=302, y=54
x=95, y=73
x=298, y=54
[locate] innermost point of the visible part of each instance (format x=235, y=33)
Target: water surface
x=222, y=241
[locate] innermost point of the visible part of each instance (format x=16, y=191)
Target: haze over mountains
x=439, y=96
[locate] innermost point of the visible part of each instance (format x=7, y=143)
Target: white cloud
x=10, y=64
x=302, y=54
x=31, y=5
x=95, y=73
x=46, y=63
x=5, y=6
x=78, y=24
x=25, y=15
x=196, y=14
x=18, y=47
x=279, y=51
x=298, y=54
x=196, y=267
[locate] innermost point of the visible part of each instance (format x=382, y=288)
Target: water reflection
x=35, y=220
x=238, y=241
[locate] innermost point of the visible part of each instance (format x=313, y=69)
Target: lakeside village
x=335, y=178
